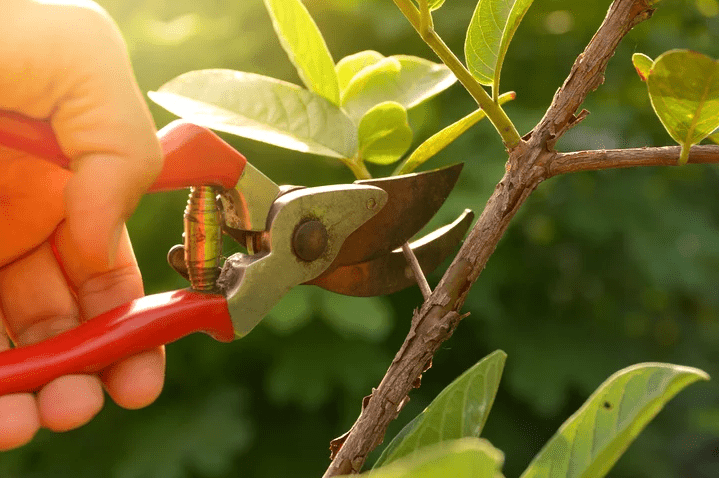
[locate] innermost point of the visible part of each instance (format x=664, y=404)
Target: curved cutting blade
x=390, y=273
x=413, y=199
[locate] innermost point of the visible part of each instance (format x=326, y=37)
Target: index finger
x=82, y=79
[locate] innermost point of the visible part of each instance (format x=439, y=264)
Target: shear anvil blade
x=390, y=272
x=413, y=199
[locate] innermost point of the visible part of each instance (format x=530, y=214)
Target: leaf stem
x=357, y=167
x=495, y=113
x=684, y=155
x=425, y=16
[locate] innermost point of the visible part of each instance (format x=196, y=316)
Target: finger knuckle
x=122, y=282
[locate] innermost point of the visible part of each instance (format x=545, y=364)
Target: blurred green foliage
x=598, y=270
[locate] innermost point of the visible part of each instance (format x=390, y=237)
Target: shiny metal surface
x=247, y=205
x=254, y=283
x=309, y=240
x=413, y=199
x=390, y=273
x=202, y=238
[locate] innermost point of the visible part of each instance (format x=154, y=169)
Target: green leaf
x=714, y=137
x=303, y=42
x=369, y=80
x=407, y=80
x=350, y=65
x=433, y=4
x=462, y=458
x=260, y=108
x=438, y=141
x=460, y=410
x=592, y=440
x=684, y=91
x=643, y=64
x=490, y=31
x=384, y=133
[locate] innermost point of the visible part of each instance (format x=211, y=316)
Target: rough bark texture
x=531, y=162
x=627, y=158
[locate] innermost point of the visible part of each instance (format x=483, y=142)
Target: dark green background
x=598, y=270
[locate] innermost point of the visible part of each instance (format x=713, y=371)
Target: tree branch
x=530, y=162
x=627, y=158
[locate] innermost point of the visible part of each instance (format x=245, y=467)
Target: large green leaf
x=260, y=108
x=407, y=80
x=350, y=65
x=684, y=91
x=461, y=458
x=460, y=410
x=490, y=31
x=714, y=138
x=384, y=133
x=303, y=42
x=592, y=440
x=438, y=141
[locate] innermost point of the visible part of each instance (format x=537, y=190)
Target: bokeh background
x=598, y=270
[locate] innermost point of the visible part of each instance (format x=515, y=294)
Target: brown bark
x=627, y=158
x=531, y=162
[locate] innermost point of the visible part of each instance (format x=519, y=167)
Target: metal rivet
x=310, y=240
x=371, y=203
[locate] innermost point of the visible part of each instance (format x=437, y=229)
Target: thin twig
x=416, y=270
x=530, y=162
x=627, y=158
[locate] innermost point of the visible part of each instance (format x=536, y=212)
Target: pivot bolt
x=309, y=241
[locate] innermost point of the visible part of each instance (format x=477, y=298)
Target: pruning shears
x=344, y=238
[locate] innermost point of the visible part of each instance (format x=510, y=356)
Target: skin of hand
x=67, y=61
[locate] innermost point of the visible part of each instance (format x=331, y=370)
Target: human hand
x=66, y=60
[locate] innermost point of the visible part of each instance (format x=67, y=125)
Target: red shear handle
x=193, y=155
x=126, y=330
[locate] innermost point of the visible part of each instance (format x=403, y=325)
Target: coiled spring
x=203, y=238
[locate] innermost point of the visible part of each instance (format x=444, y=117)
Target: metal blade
x=390, y=273
x=413, y=199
